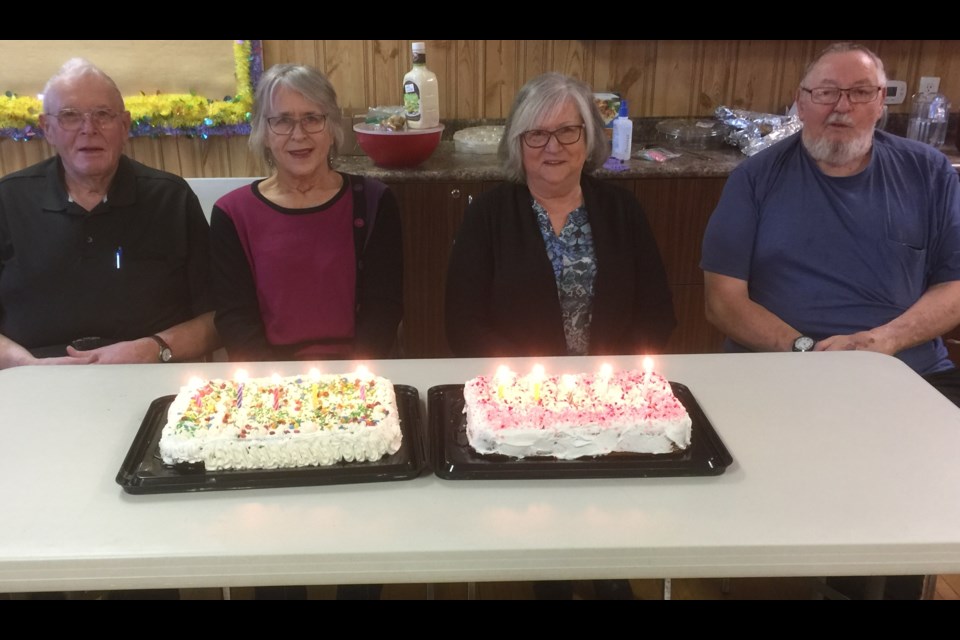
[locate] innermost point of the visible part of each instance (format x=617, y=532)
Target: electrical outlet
x=928, y=85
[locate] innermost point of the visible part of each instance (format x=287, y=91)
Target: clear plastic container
x=692, y=133
x=929, y=114
x=485, y=139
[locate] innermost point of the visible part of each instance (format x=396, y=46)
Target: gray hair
x=538, y=98
x=308, y=82
x=77, y=68
x=844, y=47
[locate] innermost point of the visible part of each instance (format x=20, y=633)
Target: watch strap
x=163, y=347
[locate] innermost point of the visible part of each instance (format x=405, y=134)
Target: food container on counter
x=692, y=133
x=485, y=139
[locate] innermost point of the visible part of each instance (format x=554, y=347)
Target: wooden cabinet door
x=678, y=210
x=431, y=214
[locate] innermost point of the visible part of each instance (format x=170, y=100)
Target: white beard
x=838, y=152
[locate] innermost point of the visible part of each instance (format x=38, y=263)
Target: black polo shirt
x=135, y=265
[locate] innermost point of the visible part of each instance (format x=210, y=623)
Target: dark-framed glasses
x=831, y=95
x=310, y=123
x=72, y=119
x=537, y=138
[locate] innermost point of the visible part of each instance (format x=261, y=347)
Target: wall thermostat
x=896, y=92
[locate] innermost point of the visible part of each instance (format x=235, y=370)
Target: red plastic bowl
x=397, y=149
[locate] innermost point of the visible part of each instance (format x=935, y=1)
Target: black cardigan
x=501, y=295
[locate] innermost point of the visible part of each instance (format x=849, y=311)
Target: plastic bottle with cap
x=622, y=134
x=421, y=95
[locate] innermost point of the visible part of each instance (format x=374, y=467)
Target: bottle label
x=411, y=101
x=419, y=57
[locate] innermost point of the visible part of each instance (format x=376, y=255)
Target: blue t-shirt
x=834, y=256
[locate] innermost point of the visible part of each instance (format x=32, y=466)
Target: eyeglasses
x=310, y=123
x=831, y=95
x=71, y=119
x=537, y=138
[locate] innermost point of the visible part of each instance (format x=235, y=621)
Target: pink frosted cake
x=574, y=416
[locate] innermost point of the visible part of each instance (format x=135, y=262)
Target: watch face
x=166, y=355
x=803, y=343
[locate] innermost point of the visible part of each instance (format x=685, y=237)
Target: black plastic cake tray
x=144, y=472
x=454, y=459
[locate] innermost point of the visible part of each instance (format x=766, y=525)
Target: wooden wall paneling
x=536, y=58
x=500, y=77
x=574, y=58
x=293, y=51
x=677, y=70
x=470, y=73
x=758, y=81
x=442, y=60
x=343, y=62
x=384, y=74
x=940, y=58
x=716, y=77
x=627, y=67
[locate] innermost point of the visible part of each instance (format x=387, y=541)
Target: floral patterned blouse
x=575, y=270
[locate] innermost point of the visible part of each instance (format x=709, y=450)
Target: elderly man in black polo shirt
x=102, y=259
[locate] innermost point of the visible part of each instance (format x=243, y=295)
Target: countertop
x=837, y=486
x=448, y=165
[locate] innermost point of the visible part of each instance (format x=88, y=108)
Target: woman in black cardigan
x=556, y=262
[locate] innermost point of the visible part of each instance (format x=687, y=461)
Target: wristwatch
x=804, y=343
x=165, y=355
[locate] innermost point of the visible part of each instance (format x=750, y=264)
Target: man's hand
x=860, y=341
x=141, y=351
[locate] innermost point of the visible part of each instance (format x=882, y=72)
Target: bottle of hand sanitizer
x=622, y=134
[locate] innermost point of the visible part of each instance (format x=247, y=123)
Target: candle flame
x=362, y=372
x=241, y=375
x=648, y=364
x=538, y=372
x=606, y=370
x=569, y=381
x=503, y=373
x=314, y=374
x=275, y=378
x=195, y=382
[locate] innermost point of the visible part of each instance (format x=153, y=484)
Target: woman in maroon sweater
x=307, y=264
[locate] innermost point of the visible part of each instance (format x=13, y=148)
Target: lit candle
x=569, y=383
x=647, y=372
x=315, y=389
x=503, y=373
x=275, y=378
x=603, y=379
x=363, y=374
x=537, y=376
x=195, y=384
x=241, y=377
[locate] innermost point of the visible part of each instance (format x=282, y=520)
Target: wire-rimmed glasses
x=310, y=123
x=831, y=95
x=72, y=119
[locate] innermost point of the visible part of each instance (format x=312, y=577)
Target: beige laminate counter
x=447, y=165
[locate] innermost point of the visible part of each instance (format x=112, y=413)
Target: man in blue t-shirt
x=841, y=236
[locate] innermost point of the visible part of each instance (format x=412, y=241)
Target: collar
x=122, y=192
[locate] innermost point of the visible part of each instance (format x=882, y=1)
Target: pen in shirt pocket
x=119, y=256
